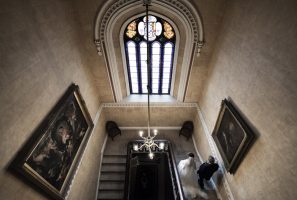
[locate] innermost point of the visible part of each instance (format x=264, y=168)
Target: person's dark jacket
x=206, y=170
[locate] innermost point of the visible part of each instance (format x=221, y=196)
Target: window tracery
x=161, y=41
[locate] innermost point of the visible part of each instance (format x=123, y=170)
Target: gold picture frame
x=51, y=156
x=232, y=135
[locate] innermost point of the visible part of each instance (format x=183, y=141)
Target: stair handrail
x=178, y=181
x=127, y=184
x=178, y=191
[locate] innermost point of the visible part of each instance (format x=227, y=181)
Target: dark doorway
x=146, y=182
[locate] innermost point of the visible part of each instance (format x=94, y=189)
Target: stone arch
x=107, y=37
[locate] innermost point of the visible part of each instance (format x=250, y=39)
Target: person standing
x=206, y=170
x=187, y=172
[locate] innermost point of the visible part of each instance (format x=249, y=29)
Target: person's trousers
x=200, y=182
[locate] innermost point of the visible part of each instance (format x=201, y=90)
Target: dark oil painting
x=52, y=159
x=232, y=136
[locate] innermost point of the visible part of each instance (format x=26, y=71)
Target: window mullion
x=171, y=69
x=161, y=69
x=138, y=68
x=150, y=68
x=158, y=72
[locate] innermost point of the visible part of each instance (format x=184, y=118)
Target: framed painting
x=232, y=136
x=51, y=156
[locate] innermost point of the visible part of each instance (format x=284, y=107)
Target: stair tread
x=111, y=194
x=112, y=175
x=113, y=171
x=115, y=168
x=110, y=198
x=113, y=163
x=112, y=180
x=114, y=159
x=115, y=155
x=111, y=185
x=112, y=189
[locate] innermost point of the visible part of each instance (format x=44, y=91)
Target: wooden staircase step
x=112, y=176
x=113, y=167
x=113, y=172
x=110, y=180
x=113, y=163
x=110, y=194
x=114, y=158
x=111, y=185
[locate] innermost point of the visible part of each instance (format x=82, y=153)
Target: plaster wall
x=41, y=54
x=211, y=12
x=84, y=13
x=161, y=116
x=254, y=64
x=85, y=183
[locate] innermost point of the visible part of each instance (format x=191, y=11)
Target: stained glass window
x=168, y=32
x=131, y=30
x=161, y=43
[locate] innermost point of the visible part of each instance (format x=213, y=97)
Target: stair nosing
x=111, y=180
x=113, y=163
x=109, y=198
x=113, y=171
x=108, y=189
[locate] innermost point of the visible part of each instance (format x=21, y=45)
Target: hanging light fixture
x=148, y=141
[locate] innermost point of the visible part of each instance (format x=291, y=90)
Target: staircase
x=112, y=178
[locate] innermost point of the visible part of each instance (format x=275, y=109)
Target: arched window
x=161, y=41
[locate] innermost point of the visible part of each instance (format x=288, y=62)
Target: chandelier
x=148, y=142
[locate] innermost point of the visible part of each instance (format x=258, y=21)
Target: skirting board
x=214, y=151
x=100, y=166
x=98, y=114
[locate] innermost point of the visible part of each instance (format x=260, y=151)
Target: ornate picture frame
x=51, y=156
x=232, y=136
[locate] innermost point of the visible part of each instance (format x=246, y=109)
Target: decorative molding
x=183, y=6
x=214, y=151
x=153, y=127
x=187, y=9
x=98, y=46
x=112, y=11
x=200, y=44
x=144, y=104
x=106, y=12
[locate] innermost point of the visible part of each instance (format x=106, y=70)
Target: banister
x=175, y=179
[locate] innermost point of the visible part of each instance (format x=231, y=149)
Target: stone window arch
x=108, y=39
